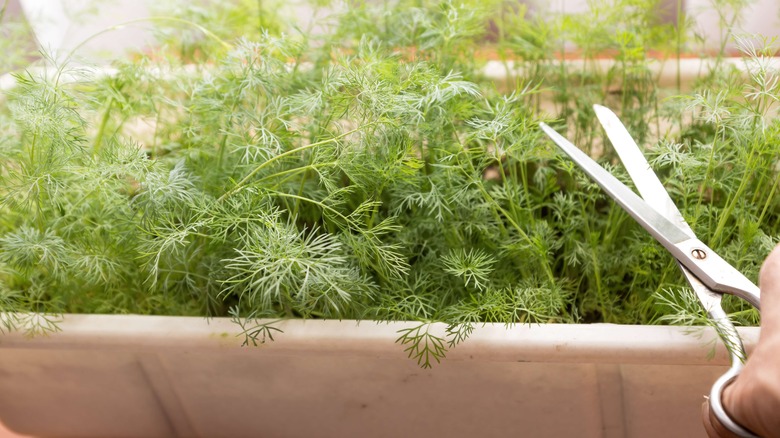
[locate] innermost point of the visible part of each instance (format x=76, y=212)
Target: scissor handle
x=728, y=333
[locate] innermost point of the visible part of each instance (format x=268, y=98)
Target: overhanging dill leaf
x=422, y=345
x=254, y=330
x=458, y=332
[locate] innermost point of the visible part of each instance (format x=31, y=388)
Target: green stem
x=301, y=189
x=375, y=210
x=223, y=142
x=606, y=314
x=157, y=124
x=507, y=215
x=725, y=215
x=769, y=199
x=295, y=170
x=257, y=169
x=710, y=166
x=507, y=185
x=312, y=201
x=229, y=126
x=32, y=149
x=102, y=128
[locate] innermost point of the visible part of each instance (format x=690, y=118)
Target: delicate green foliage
x=372, y=170
x=681, y=307
x=302, y=270
x=422, y=345
x=29, y=249
x=165, y=190
x=473, y=267
x=254, y=332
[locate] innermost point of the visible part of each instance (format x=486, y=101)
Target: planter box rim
x=591, y=343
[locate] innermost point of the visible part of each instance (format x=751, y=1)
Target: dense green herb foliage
x=373, y=172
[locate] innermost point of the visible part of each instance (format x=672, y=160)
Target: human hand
x=753, y=399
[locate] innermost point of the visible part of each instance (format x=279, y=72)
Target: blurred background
x=105, y=29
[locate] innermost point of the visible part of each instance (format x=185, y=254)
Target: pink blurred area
x=8, y=433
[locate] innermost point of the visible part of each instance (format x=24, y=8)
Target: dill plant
x=374, y=173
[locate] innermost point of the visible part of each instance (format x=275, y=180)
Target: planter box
x=173, y=376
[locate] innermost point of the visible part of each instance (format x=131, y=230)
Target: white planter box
x=148, y=376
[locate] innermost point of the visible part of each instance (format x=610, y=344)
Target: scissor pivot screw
x=699, y=254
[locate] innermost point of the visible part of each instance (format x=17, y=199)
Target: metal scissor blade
x=656, y=196
x=645, y=180
x=667, y=233
x=714, y=274
x=654, y=193
x=704, y=263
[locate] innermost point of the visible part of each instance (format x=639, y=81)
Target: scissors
x=708, y=274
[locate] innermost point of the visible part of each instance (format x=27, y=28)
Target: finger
x=711, y=424
x=769, y=282
x=769, y=277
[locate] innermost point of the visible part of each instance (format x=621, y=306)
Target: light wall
x=62, y=24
